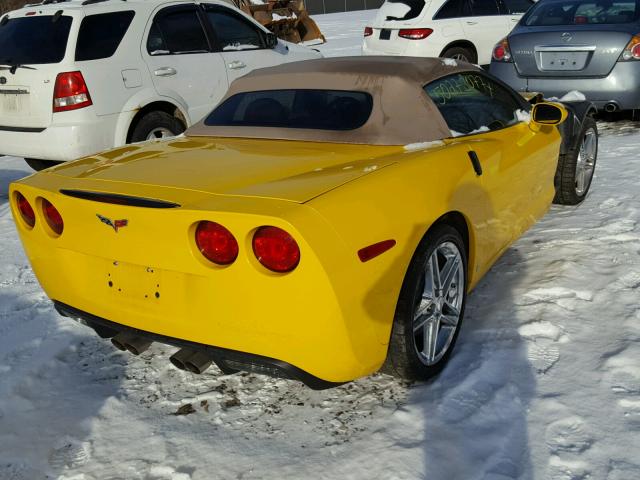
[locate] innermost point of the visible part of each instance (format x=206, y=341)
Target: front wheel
x=430, y=307
x=576, y=167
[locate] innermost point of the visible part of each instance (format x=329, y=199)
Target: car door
x=484, y=25
x=515, y=164
x=240, y=41
x=182, y=64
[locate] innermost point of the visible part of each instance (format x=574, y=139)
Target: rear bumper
x=227, y=360
x=151, y=277
x=60, y=142
x=621, y=86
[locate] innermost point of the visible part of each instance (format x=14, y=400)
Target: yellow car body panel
x=332, y=315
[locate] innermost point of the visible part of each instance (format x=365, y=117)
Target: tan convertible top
x=402, y=113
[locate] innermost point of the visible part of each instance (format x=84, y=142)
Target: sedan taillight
x=501, y=52
x=415, y=33
x=26, y=210
x=70, y=92
x=632, y=50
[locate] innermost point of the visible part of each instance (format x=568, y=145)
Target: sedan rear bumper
x=621, y=87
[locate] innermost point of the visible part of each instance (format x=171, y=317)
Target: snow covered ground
x=544, y=383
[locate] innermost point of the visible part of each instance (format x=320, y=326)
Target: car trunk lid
x=557, y=52
x=278, y=169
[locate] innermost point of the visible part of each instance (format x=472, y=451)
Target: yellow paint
x=332, y=315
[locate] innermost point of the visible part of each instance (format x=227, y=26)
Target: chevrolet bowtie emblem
x=115, y=224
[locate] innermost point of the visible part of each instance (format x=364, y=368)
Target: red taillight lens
x=276, y=249
x=415, y=33
x=53, y=217
x=501, y=52
x=25, y=209
x=216, y=243
x=632, y=50
x=70, y=92
x=368, y=31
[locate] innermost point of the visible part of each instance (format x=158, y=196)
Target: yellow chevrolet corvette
x=326, y=220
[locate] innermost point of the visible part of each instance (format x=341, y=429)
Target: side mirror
x=271, y=40
x=547, y=113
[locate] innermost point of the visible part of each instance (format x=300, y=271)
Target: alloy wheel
x=586, y=161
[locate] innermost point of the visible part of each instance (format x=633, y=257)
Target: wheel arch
x=156, y=106
x=461, y=44
x=462, y=225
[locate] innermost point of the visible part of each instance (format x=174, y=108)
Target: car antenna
x=56, y=16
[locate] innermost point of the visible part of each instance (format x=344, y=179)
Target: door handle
x=472, y=23
x=165, y=72
x=475, y=161
x=236, y=65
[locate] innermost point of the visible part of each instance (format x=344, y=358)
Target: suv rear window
x=582, y=12
x=34, y=40
x=100, y=35
x=313, y=109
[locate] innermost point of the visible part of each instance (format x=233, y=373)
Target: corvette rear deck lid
x=284, y=170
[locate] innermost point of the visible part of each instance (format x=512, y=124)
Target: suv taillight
x=501, y=52
x=368, y=31
x=632, y=50
x=415, y=33
x=70, y=92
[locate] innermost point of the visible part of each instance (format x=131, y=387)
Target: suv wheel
x=459, y=53
x=38, y=165
x=156, y=125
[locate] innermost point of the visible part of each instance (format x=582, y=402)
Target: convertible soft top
x=402, y=113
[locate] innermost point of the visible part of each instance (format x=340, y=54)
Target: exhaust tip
x=179, y=358
x=198, y=363
x=138, y=345
x=120, y=341
x=611, y=107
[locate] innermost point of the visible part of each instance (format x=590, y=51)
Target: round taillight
x=216, y=243
x=53, y=217
x=276, y=249
x=25, y=209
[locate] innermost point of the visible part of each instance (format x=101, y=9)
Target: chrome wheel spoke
x=438, y=306
x=430, y=348
x=449, y=272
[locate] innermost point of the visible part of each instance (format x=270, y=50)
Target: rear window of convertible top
x=299, y=108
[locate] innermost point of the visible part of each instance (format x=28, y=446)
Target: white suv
x=461, y=29
x=81, y=76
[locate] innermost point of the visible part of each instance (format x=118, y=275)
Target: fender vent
x=117, y=199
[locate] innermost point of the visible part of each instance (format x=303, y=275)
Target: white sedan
x=461, y=29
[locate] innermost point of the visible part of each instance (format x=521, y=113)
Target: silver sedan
x=587, y=45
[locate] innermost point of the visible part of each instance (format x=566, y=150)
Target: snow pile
x=482, y=129
x=450, y=62
x=572, y=96
x=275, y=17
x=523, y=116
x=413, y=147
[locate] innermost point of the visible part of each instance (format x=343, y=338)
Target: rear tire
x=459, y=53
x=575, y=168
x=156, y=125
x=435, y=302
x=39, y=165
